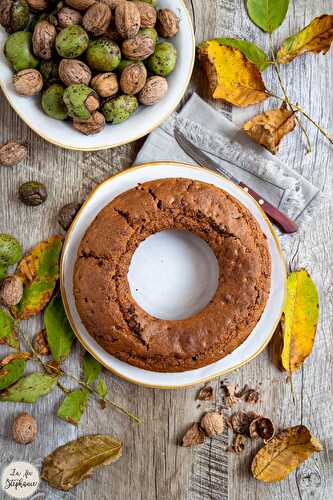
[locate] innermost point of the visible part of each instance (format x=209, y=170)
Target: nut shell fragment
x=193, y=436
x=154, y=90
x=262, y=427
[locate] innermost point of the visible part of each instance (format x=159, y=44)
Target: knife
x=287, y=225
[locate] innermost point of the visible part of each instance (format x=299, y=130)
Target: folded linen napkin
x=217, y=136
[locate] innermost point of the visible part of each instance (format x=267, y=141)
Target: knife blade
x=283, y=221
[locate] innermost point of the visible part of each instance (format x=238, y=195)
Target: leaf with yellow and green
x=253, y=53
x=316, y=37
x=11, y=372
x=231, y=76
x=73, y=406
x=39, y=271
x=284, y=453
x=7, y=330
x=300, y=318
x=29, y=389
x=58, y=330
x=267, y=14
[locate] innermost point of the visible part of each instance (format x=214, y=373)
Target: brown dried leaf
x=40, y=343
x=205, y=393
x=193, y=436
x=69, y=464
x=269, y=128
x=284, y=453
x=15, y=355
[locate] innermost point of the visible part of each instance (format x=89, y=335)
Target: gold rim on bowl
x=121, y=143
x=66, y=304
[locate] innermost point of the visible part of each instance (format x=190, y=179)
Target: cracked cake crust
x=102, y=293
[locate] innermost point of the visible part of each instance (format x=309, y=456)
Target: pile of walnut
x=243, y=424
x=93, y=61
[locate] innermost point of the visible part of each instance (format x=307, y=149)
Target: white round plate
x=141, y=123
x=103, y=195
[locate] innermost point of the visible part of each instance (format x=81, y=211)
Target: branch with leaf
x=234, y=69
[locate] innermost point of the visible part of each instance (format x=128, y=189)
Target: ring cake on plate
x=102, y=293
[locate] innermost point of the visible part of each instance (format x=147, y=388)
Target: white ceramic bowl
x=141, y=123
x=124, y=181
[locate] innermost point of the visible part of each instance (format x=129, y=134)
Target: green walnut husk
x=49, y=71
x=52, y=102
x=120, y=109
x=152, y=2
x=71, y=42
x=164, y=59
x=10, y=253
x=151, y=32
x=75, y=97
x=32, y=193
x=103, y=55
x=18, y=51
x=14, y=15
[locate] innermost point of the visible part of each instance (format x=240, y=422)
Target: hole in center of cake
x=173, y=275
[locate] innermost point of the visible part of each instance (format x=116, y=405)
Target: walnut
x=138, y=48
x=12, y=153
x=24, y=428
x=74, y=71
x=147, y=14
x=28, y=82
x=127, y=18
x=205, y=393
x=93, y=125
x=38, y=5
x=67, y=17
x=11, y=291
x=80, y=4
x=193, y=436
x=105, y=84
x=97, y=19
x=113, y=3
x=240, y=422
x=43, y=40
x=262, y=427
x=40, y=343
x=167, y=23
x=154, y=90
x=133, y=78
x=212, y=423
x=67, y=214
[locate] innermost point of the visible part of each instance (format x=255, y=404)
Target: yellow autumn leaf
x=269, y=128
x=284, y=453
x=300, y=318
x=316, y=37
x=231, y=76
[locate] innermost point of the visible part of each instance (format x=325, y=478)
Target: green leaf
x=102, y=388
x=39, y=271
x=29, y=389
x=91, y=368
x=11, y=373
x=73, y=406
x=58, y=330
x=253, y=53
x=66, y=466
x=7, y=330
x=267, y=14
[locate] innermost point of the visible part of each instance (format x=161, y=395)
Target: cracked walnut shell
x=148, y=14
x=154, y=90
x=167, y=23
x=93, y=125
x=105, y=84
x=97, y=18
x=28, y=82
x=43, y=40
x=74, y=71
x=133, y=78
x=127, y=18
x=138, y=48
x=24, y=428
x=67, y=17
x=193, y=436
x=212, y=423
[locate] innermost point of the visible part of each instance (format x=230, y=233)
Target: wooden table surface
x=154, y=466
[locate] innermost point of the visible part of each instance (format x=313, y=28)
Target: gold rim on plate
x=121, y=143
x=66, y=304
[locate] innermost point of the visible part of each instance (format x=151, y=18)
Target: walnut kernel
x=28, y=82
x=24, y=428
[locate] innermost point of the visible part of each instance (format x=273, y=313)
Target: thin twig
x=48, y=367
x=283, y=88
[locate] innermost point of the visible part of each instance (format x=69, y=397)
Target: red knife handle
x=286, y=224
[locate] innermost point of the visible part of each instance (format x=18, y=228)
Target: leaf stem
x=48, y=367
x=283, y=88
